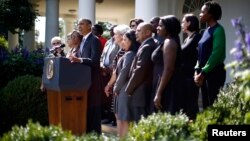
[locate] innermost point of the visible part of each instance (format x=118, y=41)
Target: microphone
x=56, y=47
x=62, y=45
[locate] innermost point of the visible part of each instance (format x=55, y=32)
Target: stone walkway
x=108, y=128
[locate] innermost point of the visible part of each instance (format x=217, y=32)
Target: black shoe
x=113, y=123
x=106, y=121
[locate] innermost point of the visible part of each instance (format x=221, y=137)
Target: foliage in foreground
x=229, y=109
x=20, y=62
x=161, y=126
x=21, y=100
x=36, y=132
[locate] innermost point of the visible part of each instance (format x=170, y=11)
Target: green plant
x=232, y=105
x=241, y=65
x=35, y=132
x=23, y=100
x=3, y=49
x=241, y=52
x=17, y=15
x=229, y=109
x=3, y=42
x=160, y=126
x=106, y=26
x=21, y=62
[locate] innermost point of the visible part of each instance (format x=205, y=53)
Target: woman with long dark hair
x=123, y=103
x=166, y=60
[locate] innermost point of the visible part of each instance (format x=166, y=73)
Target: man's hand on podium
x=74, y=59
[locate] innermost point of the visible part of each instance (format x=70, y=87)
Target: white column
x=69, y=27
x=86, y=9
x=52, y=21
x=12, y=40
x=69, y=23
x=29, y=39
x=146, y=9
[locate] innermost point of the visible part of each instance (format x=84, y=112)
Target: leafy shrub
x=3, y=42
x=36, y=132
x=241, y=52
x=3, y=51
x=160, y=126
x=229, y=109
x=21, y=100
x=23, y=11
x=21, y=62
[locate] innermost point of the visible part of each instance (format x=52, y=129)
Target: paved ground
x=108, y=128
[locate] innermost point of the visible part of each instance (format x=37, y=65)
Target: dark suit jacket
x=141, y=74
x=91, y=53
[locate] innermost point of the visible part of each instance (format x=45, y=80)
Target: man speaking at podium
x=90, y=53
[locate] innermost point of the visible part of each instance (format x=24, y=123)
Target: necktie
x=82, y=44
x=106, y=56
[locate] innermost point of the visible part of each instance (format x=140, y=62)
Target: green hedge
x=161, y=126
x=21, y=100
x=229, y=109
x=36, y=132
x=20, y=62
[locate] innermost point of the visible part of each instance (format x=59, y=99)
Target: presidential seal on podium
x=50, y=69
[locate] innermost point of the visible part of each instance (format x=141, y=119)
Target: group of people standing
x=145, y=68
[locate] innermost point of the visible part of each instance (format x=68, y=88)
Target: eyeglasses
x=56, y=43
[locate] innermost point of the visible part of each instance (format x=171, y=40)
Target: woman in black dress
x=166, y=60
x=189, y=54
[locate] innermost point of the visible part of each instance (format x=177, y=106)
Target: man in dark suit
x=90, y=53
x=140, y=81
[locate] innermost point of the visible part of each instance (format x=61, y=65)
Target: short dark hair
x=98, y=28
x=130, y=34
x=137, y=21
x=87, y=20
x=171, y=24
x=155, y=19
x=130, y=22
x=214, y=9
x=112, y=27
x=194, y=22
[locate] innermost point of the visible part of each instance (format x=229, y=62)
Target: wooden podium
x=67, y=85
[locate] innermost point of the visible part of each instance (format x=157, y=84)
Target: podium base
x=68, y=109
